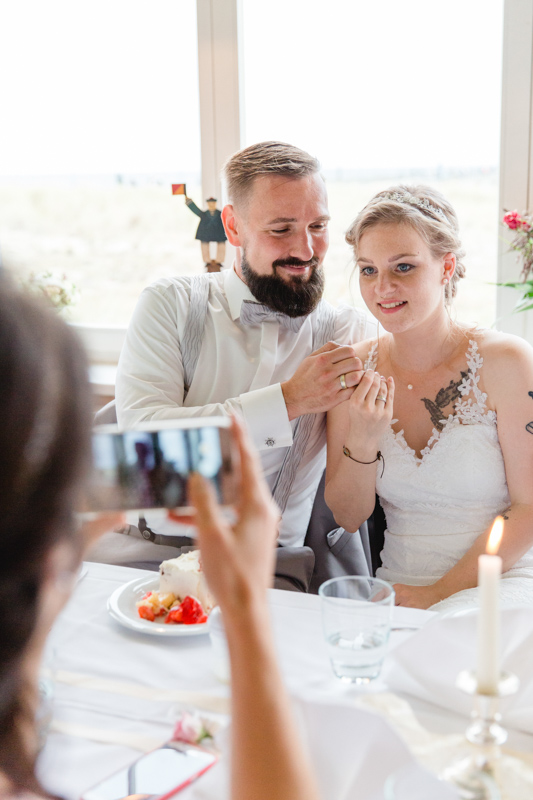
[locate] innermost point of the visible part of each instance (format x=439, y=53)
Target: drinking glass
x=356, y=615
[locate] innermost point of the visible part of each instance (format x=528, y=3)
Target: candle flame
x=495, y=536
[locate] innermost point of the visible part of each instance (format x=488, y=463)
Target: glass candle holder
x=477, y=775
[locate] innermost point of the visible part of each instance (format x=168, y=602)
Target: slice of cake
x=183, y=577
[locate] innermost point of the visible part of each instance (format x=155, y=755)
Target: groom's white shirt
x=240, y=368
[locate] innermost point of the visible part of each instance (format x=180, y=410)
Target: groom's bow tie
x=256, y=313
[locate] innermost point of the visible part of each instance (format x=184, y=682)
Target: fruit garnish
x=189, y=612
x=146, y=612
x=167, y=600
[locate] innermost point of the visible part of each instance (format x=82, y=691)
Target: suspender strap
x=323, y=331
x=193, y=332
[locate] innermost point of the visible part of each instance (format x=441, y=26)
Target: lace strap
x=473, y=409
x=469, y=384
x=372, y=357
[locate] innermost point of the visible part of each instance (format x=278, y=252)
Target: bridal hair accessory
x=379, y=457
x=409, y=199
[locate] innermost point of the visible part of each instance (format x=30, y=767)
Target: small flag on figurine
x=179, y=188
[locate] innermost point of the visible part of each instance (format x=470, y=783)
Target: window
x=100, y=116
x=384, y=93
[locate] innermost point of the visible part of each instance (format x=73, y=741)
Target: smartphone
x=156, y=775
x=148, y=467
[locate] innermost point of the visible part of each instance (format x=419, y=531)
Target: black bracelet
x=379, y=457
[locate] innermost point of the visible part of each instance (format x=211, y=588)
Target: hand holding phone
x=244, y=547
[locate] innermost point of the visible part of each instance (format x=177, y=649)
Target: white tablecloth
x=126, y=687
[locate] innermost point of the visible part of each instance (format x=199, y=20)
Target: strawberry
x=146, y=612
x=174, y=616
x=189, y=612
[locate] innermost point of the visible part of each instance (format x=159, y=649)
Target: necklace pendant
x=409, y=385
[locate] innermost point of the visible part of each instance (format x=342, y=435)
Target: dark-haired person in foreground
x=44, y=457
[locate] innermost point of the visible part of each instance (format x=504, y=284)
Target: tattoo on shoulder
x=445, y=397
x=529, y=426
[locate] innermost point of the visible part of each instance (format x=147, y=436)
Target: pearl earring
x=445, y=280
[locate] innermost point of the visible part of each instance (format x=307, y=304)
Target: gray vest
x=323, y=331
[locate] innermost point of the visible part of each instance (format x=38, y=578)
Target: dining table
x=116, y=693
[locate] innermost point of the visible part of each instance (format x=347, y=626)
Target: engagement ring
x=342, y=379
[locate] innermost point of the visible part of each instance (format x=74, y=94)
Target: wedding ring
x=381, y=397
x=342, y=379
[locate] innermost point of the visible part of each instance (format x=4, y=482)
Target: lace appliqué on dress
x=473, y=410
x=372, y=357
x=468, y=411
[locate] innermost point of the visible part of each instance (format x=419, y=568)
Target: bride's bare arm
x=508, y=377
x=356, y=427
x=267, y=757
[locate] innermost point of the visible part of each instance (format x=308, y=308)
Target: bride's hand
x=371, y=405
x=416, y=596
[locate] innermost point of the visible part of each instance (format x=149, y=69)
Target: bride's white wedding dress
x=438, y=504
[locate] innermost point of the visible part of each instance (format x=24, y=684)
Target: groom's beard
x=295, y=297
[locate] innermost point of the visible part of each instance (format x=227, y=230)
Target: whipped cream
x=183, y=576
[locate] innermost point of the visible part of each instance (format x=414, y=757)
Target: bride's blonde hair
x=427, y=211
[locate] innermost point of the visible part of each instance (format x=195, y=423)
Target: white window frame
x=221, y=82
x=516, y=155
x=221, y=86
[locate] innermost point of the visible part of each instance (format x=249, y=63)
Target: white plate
x=122, y=607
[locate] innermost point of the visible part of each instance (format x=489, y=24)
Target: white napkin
x=427, y=664
x=353, y=753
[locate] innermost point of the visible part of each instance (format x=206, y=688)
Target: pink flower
x=512, y=219
x=189, y=728
x=524, y=224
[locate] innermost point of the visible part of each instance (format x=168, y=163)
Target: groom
x=270, y=348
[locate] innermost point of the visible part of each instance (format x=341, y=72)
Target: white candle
x=489, y=572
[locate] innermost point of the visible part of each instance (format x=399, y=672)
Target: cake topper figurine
x=210, y=228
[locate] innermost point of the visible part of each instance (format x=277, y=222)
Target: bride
x=445, y=438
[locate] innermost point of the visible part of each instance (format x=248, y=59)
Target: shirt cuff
x=265, y=414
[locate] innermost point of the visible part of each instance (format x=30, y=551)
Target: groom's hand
x=316, y=385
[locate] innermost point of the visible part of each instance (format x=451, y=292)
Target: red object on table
x=189, y=612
